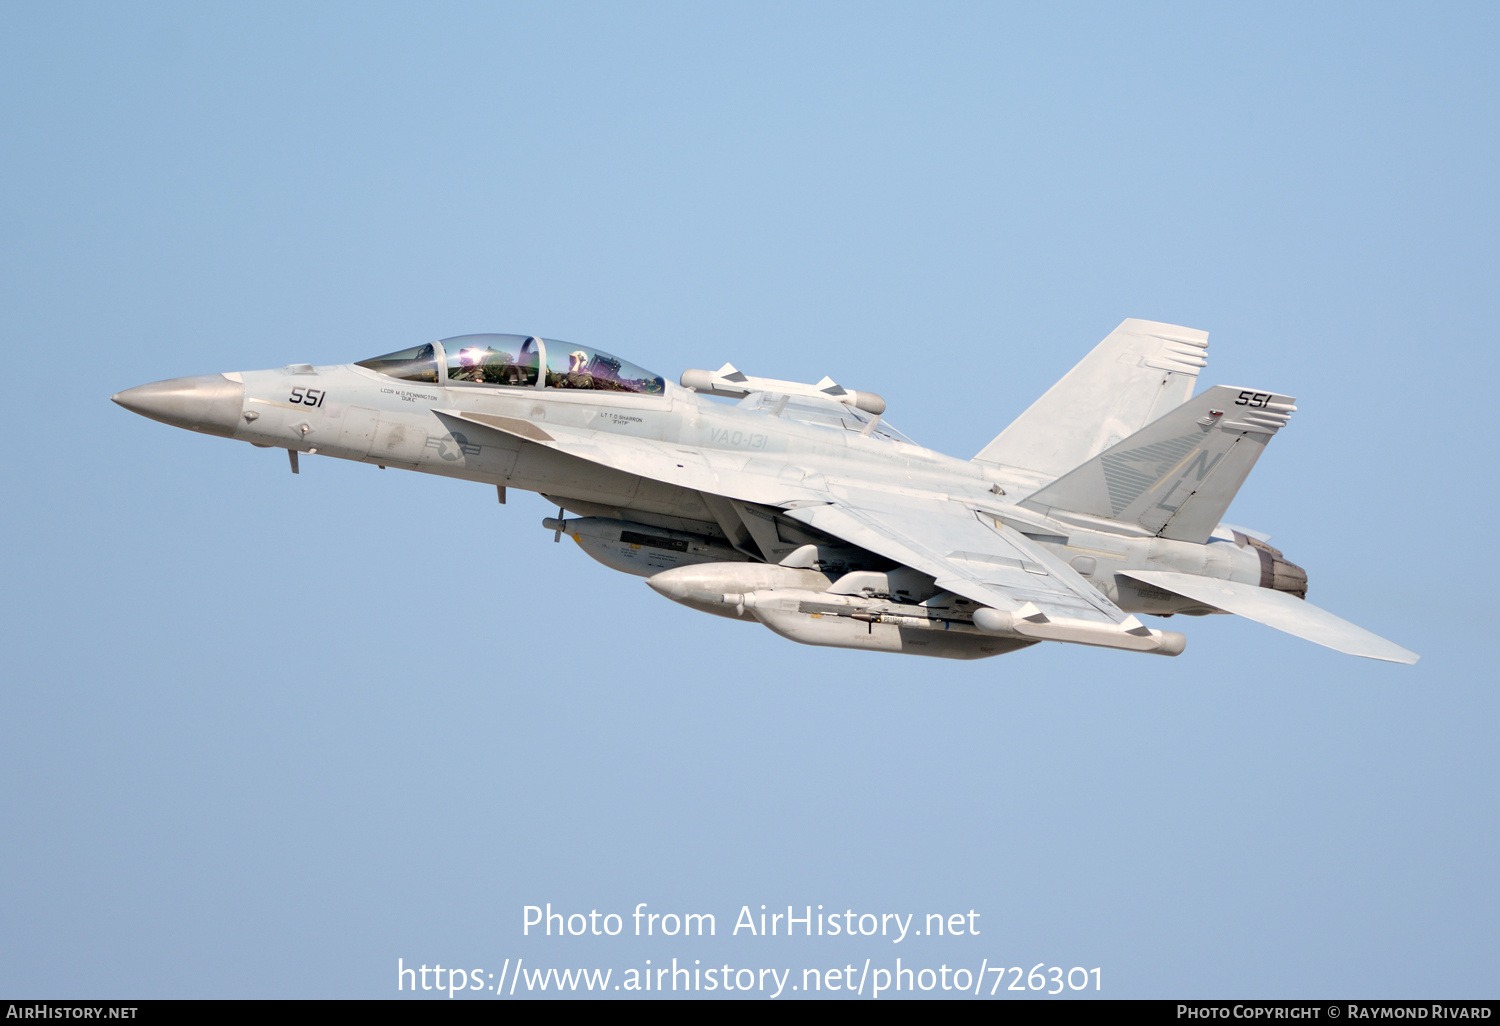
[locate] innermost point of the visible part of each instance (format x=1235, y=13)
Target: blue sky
x=263, y=735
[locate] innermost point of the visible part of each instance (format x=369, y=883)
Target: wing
x=1030, y=592
x=1023, y=591
x=1279, y=610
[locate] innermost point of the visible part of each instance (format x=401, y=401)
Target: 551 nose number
x=308, y=396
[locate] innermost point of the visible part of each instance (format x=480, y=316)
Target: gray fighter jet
x=798, y=507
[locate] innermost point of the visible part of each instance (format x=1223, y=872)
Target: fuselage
x=353, y=412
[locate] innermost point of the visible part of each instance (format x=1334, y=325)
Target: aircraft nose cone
x=210, y=403
x=668, y=587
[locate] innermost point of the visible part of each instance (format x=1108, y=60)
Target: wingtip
x=1395, y=654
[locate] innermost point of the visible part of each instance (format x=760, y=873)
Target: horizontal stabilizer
x=1177, y=476
x=1279, y=610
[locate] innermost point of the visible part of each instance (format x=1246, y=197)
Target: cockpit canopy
x=517, y=361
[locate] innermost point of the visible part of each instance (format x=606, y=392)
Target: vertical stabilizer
x=1176, y=477
x=1142, y=370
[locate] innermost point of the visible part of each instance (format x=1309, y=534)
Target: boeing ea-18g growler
x=796, y=506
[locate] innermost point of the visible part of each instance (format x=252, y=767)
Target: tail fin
x=1176, y=477
x=1139, y=372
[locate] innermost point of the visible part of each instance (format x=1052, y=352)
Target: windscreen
x=419, y=364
